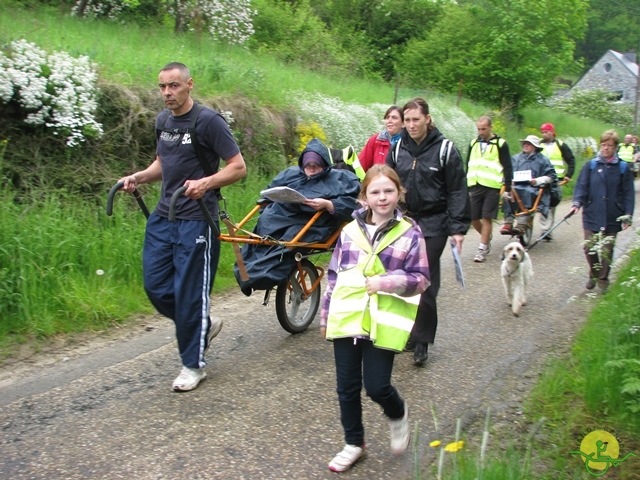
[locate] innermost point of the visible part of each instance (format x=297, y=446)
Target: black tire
x=294, y=312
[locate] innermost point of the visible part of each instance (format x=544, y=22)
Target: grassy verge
x=593, y=388
x=66, y=267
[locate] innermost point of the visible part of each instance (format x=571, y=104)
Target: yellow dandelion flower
x=454, y=447
x=435, y=444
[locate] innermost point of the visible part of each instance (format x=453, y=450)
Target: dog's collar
x=510, y=273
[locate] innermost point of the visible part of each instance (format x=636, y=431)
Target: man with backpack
x=180, y=258
x=488, y=167
x=559, y=153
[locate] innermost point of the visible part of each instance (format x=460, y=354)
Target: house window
x=616, y=96
x=607, y=67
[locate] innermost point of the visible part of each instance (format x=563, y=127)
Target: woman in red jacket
x=375, y=151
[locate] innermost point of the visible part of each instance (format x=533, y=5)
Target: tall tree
x=382, y=26
x=612, y=25
x=502, y=52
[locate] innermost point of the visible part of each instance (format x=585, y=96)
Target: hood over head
x=316, y=152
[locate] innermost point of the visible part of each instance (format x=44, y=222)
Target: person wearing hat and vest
x=559, y=153
x=488, y=166
x=535, y=170
x=377, y=272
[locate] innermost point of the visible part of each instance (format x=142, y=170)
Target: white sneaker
x=349, y=455
x=214, y=330
x=481, y=255
x=400, y=433
x=188, y=379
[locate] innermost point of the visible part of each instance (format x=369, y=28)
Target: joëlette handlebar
x=135, y=193
x=205, y=211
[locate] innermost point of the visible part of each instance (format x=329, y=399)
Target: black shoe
x=420, y=355
x=410, y=346
x=591, y=284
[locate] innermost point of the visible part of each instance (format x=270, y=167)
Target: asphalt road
x=268, y=409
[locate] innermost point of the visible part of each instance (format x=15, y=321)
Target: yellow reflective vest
x=554, y=154
x=625, y=152
x=385, y=318
x=485, y=168
x=350, y=157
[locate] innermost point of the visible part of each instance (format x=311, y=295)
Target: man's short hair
x=184, y=70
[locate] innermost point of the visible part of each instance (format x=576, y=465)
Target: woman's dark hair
x=422, y=105
x=394, y=108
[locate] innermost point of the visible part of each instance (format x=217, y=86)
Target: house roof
x=631, y=66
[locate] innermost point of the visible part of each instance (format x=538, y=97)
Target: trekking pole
x=567, y=216
x=135, y=193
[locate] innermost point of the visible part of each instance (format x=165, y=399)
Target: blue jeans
x=358, y=360
x=179, y=261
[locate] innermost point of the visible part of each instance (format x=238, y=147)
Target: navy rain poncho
x=268, y=266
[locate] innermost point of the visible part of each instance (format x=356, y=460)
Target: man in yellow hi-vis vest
x=628, y=151
x=488, y=166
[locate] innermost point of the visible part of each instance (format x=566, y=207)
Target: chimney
x=630, y=56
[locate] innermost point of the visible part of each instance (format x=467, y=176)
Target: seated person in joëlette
x=538, y=172
x=328, y=189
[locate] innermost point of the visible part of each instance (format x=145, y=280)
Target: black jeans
x=358, y=360
x=424, y=330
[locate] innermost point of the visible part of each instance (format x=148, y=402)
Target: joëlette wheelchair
x=298, y=297
x=524, y=232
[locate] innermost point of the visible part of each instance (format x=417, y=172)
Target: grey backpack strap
x=396, y=152
x=445, y=151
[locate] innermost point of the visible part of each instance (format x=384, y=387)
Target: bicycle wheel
x=527, y=234
x=295, y=312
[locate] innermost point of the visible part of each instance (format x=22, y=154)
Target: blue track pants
x=179, y=261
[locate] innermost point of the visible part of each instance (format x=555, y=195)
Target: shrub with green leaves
x=57, y=90
x=598, y=105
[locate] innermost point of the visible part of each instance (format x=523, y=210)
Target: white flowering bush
x=344, y=123
x=228, y=21
x=100, y=8
x=353, y=124
x=57, y=90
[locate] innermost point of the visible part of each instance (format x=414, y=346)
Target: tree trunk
x=82, y=6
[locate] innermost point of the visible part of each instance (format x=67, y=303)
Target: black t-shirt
x=180, y=162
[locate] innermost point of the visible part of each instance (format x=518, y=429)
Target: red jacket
x=375, y=151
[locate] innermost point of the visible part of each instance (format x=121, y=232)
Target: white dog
x=517, y=272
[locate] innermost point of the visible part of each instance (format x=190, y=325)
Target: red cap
x=547, y=127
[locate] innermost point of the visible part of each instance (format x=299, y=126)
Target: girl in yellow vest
x=377, y=272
